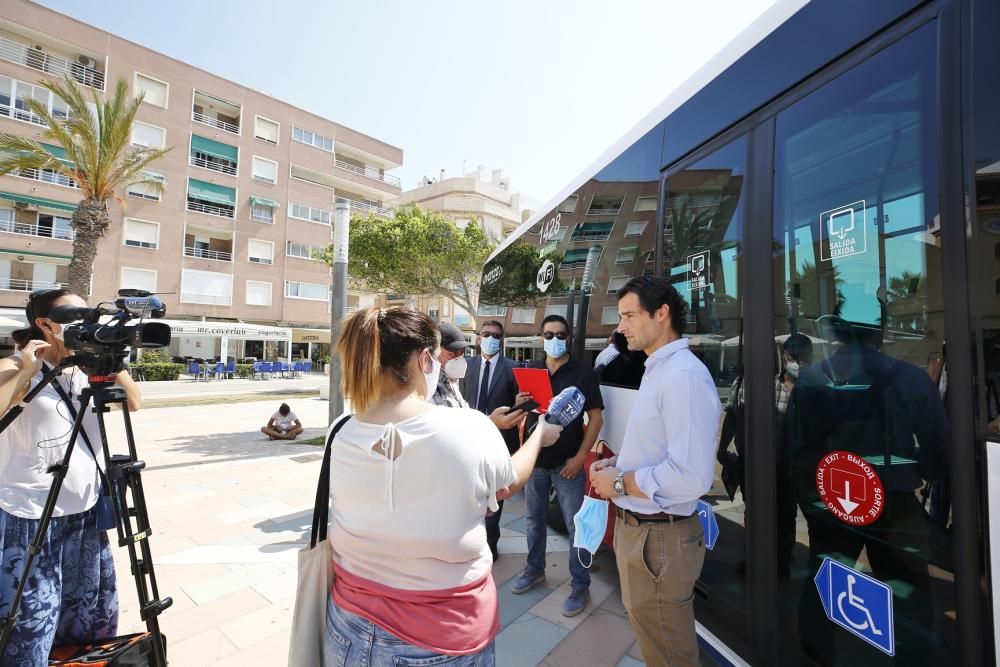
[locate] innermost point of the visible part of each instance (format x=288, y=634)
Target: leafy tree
x=100, y=158
x=417, y=252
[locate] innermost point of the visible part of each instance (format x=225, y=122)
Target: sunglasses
x=548, y=335
x=490, y=334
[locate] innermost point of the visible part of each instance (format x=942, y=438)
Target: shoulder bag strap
x=83, y=433
x=321, y=508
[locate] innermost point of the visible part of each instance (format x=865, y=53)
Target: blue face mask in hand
x=554, y=347
x=590, y=523
x=489, y=346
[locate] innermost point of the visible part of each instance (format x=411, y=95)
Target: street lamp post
x=338, y=299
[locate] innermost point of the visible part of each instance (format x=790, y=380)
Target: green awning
x=261, y=201
x=576, y=255
x=213, y=148
x=216, y=194
x=593, y=230
x=58, y=151
x=40, y=202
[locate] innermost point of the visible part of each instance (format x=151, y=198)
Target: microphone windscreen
x=565, y=407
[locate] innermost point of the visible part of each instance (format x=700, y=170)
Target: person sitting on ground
x=283, y=425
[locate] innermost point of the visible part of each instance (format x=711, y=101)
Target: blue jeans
x=536, y=502
x=352, y=641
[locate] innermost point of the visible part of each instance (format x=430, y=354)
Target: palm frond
x=18, y=152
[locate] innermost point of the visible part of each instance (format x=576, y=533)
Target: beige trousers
x=658, y=564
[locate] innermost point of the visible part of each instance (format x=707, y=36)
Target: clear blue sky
x=537, y=87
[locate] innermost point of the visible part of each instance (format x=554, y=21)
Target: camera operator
x=71, y=594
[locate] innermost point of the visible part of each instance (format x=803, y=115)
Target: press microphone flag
x=565, y=407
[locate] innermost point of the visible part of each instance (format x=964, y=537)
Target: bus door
x=862, y=449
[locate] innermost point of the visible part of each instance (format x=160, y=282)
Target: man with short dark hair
x=490, y=388
x=561, y=466
x=666, y=463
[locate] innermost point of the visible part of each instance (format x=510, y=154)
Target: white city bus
x=834, y=173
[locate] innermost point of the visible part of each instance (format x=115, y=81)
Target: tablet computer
x=536, y=382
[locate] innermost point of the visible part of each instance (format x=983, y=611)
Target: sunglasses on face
x=548, y=335
x=490, y=334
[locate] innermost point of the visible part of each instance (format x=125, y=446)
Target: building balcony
x=216, y=112
x=365, y=207
x=82, y=68
x=204, y=253
x=18, y=285
x=213, y=163
x=46, y=176
x=208, y=208
x=367, y=171
x=41, y=231
x=206, y=299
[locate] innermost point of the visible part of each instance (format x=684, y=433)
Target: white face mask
x=58, y=335
x=792, y=368
x=455, y=369
x=432, y=378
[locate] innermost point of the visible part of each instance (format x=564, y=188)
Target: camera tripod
x=122, y=482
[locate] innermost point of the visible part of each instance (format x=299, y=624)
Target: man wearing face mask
x=490, y=388
x=453, y=367
x=561, y=466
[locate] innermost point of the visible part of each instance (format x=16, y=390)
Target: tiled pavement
x=230, y=510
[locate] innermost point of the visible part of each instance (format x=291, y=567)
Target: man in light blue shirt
x=666, y=463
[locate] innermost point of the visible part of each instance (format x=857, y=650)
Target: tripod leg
x=133, y=527
x=58, y=471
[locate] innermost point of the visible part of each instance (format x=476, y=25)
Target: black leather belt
x=660, y=517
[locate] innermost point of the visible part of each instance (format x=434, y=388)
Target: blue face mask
x=590, y=524
x=489, y=346
x=554, y=347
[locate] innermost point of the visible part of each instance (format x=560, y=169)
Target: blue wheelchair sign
x=708, y=524
x=858, y=603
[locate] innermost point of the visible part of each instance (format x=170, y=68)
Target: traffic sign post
x=857, y=602
x=708, y=524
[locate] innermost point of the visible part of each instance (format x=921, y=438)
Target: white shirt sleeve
x=498, y=470
x=690, y=417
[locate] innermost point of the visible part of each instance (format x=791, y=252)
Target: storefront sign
x=229, y=329
x=850, y=488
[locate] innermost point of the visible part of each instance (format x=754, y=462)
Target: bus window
x=859, y=252
x=574, y=259
x=703, y=234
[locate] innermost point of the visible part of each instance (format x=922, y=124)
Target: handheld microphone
x=565, y=407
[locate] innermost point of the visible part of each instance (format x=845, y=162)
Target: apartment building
x=251, y=184
x=480, y=195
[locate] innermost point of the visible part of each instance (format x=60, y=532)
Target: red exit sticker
x=850, y=488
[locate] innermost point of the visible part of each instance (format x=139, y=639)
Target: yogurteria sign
x=850, y=488
x=235, y=330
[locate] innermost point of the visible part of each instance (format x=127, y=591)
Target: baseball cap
x=452, y=338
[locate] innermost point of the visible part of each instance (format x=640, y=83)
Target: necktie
x=484, y=388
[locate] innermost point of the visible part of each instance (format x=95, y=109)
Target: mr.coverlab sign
x=850, y=488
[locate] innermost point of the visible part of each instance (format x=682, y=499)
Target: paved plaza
x=230, y=510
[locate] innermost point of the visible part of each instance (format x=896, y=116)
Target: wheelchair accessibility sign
x=709, y=525
x=858, y=603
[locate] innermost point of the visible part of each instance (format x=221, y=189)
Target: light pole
x=586, y=288
x=338, y=299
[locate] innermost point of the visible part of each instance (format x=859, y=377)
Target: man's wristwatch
x=619, y=484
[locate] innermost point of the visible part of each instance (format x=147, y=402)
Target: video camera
x=101, y=346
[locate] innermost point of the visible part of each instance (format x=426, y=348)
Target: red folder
x=535, y=381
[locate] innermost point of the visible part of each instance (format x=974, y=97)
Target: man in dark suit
x=490, y=388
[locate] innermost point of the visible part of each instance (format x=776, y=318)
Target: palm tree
x=100, y=158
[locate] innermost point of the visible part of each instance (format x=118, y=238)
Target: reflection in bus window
x=703, y=234
x=542, y=271
x=858, y=252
